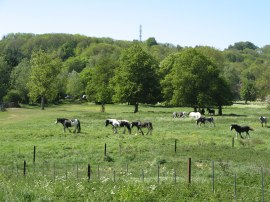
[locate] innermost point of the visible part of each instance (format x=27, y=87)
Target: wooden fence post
x=175, y=145
x=105, y=150
x=89, y=172
x=24, y=168
x=189, y=170
x=34, y=158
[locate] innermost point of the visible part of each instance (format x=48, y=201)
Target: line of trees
x=46, y=68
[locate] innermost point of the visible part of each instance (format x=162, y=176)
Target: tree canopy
x=136, y=79
x=44, y=68
x=194, y=80
x=111, y=70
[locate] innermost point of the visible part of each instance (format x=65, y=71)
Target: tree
x=19, y=78
x=151, y=41
x=67, y=50
x=44, y=70
x=248, y=89
x=243, y=45
x=74, y=84
x=104, y=58
x=75, y=63
x=98, y=88
x=5, y=71
x=195, y=81
x=136, y=80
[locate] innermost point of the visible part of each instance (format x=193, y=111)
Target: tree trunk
x=2, y=107
x=102, y=107
x=195, y=109
x=42, y=102
x=220, y=110
x=136, y=109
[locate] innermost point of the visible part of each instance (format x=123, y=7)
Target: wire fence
x=218, y=176
x=235, y=179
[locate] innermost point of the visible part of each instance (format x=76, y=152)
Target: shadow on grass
x=235, y=115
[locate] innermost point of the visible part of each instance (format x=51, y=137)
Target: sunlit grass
x=22, y=129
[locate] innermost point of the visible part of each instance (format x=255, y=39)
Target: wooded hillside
x=49, y=67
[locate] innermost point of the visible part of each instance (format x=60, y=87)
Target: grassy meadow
x=136, y=167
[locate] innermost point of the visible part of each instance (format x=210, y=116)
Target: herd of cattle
x=200, y=119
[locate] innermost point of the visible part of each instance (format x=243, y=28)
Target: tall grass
x=62, y=158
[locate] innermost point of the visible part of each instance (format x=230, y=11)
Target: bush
x=12, y=96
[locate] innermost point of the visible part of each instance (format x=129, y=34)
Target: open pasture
x=132, y=160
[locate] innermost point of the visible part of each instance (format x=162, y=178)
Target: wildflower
x=153, y=187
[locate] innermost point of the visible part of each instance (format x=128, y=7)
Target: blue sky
x=216, y=23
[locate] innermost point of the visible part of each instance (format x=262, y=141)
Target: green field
x=136, y=167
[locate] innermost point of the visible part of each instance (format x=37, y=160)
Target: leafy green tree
x=5, y=71
x=212, y=54
x=243, y=45
x=67, y=50
x=98, y=88
x=74, y=84
x=12, y=96
x=44, y=70
x=161, y=51
x=232, y=75
x=75, y=63
x=248, y=89
x=104, y=58
x=136, y=79
x=19, y=78
x=151, y=41
x=195, y=81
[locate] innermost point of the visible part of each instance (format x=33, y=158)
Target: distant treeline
x=49, y=67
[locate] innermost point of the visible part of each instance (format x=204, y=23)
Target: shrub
x=12, y=96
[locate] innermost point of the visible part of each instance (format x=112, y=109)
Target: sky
x=215, y=23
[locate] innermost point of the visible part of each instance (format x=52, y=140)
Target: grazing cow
x=263, y=120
